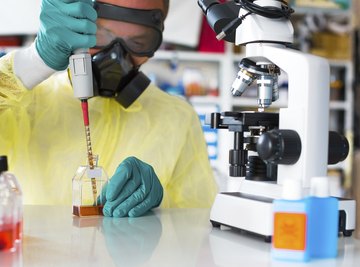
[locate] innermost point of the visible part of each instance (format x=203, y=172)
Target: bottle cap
x=3, y=164
x=319, y=186
x=292, y=189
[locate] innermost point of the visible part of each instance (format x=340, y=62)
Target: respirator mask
x=114, y=72
x=114, y=75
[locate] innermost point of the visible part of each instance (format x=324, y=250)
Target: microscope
x=294, y=143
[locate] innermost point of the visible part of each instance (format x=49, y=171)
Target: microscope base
x=254, y=214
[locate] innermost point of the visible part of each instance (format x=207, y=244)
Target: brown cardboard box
x=331, y=45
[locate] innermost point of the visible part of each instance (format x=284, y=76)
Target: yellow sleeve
x=193, y=184
x=15, y=123
x=11, y=88
x=40, y=132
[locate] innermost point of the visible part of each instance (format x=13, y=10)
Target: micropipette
x=82, y=82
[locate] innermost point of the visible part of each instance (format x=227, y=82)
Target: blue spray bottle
x=323, y=219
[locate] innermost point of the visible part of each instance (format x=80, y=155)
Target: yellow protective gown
x=42, y=133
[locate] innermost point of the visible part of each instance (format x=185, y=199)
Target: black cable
x=231, y=26
x=267, y=11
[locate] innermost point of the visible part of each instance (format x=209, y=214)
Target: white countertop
x=167, y=237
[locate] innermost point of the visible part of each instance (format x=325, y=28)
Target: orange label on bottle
x=289, y=231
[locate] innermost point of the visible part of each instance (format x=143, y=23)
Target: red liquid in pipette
x=85, y=110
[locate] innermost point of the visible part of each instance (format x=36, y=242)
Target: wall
x=19, y=17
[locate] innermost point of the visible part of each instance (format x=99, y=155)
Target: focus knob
x=279, y=147
x=338, y=148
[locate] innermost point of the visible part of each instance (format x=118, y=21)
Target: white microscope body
x=248, y=206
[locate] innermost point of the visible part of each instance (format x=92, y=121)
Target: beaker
x=87, y=185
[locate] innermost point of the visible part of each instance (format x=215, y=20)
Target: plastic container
x=323, y=220
x=87, y=185
x=18, y=211
x=290, y=240
x=7, y=210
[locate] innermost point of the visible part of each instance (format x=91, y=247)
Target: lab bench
x=164, y=237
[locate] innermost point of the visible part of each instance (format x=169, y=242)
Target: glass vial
x=87, y=185
x=7, y=208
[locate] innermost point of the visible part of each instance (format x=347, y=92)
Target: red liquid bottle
x=7, y=208
x=18, y=209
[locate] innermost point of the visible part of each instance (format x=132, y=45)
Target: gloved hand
x=65, y=25
x=132, y=190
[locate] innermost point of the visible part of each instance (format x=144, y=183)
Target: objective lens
x=265, y=90
x=241, y=82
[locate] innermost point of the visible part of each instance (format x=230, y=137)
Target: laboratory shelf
x=339, y=105
x=188, y=56
x=204, y=99
x=316, y=10
x=223, y=68
x=226, y=65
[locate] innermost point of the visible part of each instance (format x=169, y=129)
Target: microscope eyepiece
x=219, y=15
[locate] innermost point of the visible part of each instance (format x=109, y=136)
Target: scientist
x=156, y=138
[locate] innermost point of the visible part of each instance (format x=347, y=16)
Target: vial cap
x=319, y=186
x=292, y=189
x=3, y=164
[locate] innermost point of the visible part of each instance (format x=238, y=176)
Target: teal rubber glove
x=132, y=190
x=65, y=25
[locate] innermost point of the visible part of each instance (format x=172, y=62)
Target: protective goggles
x=145, y=26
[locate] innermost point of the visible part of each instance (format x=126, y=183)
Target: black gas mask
x=115, y=75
